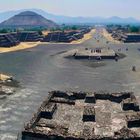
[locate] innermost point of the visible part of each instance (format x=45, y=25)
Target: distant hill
x=28, y=19
x=74, y=20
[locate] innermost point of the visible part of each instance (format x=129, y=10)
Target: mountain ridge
x=67, y=19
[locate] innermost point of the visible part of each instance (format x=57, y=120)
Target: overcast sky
x=104, y=8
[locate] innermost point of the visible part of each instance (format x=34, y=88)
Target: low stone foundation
x=82, y=116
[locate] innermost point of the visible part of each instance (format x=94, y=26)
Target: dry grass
x=85, y=38
x=21, y=46
x=109, y=37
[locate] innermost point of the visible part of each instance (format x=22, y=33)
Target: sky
x=88, y=8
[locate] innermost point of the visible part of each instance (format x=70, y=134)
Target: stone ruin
x=85, y=116
x=8, y=40
x=29, y=36
x=65, y=36
x=133, y=38
x=122, y=35
x=13, y=39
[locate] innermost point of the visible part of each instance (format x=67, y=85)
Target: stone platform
x=85, y=116
x=96, y=53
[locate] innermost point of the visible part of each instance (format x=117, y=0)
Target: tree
x=3, y=31
x=40, y=32
x=134, y=29
x=74, y=28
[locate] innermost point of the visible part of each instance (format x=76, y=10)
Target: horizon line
x=80, y=16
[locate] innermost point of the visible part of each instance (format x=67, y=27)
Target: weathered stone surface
x=48, y=110
x=125, y=133
x=89, y=113
x=133, y=120
x=77, y=121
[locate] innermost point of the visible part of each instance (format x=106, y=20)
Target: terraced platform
x=8, y=40
x=85, y=116
x=97, y=53
x=67, y=36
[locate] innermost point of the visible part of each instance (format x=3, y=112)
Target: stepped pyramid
x=28, y=19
